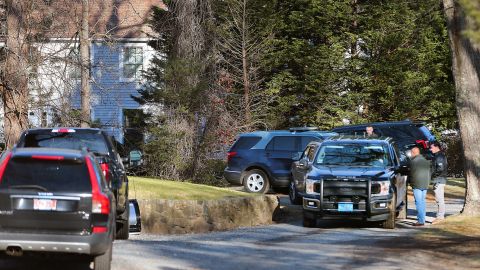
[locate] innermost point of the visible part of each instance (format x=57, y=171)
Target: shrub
x=168, y=150
x=210, y=172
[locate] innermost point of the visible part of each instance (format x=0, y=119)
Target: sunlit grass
x=466, y=226
x=149, y=188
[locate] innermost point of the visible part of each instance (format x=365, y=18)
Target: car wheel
x=123, y=231
x=256, y=181
x=309, y=222
x=103, y=262
x=390, y=222
x=402, y=214
x=293, y=194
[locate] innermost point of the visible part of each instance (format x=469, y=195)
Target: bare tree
x=14, y=88
x=241, y=45
x=465, y=67
x=41, y=60
x=85, y=66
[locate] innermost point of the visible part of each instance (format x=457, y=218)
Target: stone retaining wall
x=176, y=217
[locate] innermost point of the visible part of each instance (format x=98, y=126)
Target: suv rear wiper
x=29, y=187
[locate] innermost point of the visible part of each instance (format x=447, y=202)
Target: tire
x=402, y=214
x=123, y=226
x=293, y=194
x=256, y=181
x=103, y=262
x=309, y=222
x=390, y=222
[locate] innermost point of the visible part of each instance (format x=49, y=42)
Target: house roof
x=107, y=18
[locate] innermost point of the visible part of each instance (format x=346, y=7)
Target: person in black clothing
x=370, y=133
x=439, y=178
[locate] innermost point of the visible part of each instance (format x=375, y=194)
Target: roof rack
x=302, y=129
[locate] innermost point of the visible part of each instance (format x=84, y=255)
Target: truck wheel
x=309, y=222
x=402, y=214
x=123, y=225
x=256, y=181
x=293, y=194
x=390, y=222
x=102, y=262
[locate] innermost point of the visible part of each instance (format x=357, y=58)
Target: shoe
x=418, y=224
x=438, y=220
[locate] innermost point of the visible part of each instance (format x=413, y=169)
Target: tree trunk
x=85, y=58
x=466, y=72
x=15, y=78
x=245, y=68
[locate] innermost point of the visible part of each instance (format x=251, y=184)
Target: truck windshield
x=371, y=155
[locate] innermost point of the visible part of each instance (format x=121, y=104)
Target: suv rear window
x=94, y=142
x=245, y=143
x=50, y=175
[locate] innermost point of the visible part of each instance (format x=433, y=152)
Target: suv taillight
x=423, y=143
x=100, y=202
x=105, y=170
x=230, y=155
x=4, y=165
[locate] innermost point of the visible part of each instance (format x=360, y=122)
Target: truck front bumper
x=370, y=209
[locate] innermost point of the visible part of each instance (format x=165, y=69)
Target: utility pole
x=85, y=67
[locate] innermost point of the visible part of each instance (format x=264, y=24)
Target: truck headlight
x=380, y=188
x=310, y=186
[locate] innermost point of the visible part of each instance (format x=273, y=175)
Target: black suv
x=99, y=143
x=55, y=201
x=353, y=178
x=405, y=133
x=258, y=160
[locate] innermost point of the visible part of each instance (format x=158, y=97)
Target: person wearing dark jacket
x=420, y=176
x=370, y=133
x=439, y=164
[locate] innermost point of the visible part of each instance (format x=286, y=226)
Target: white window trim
x=121, y=77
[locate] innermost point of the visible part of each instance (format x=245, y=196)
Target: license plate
x=44, y=204
x=345, y=207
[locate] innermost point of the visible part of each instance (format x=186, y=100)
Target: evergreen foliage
x=277, y=64
x=361, y=61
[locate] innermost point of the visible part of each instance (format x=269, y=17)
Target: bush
x=168, y=150
x=211, y=173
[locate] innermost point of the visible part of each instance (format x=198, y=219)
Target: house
x=119, y=51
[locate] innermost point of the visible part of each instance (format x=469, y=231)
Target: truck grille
x=348, y=188
x=343, y=190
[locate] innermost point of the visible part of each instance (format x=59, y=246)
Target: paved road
x=332, y=245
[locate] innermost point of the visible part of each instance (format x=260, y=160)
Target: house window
x=75, y=70
x=132, y=62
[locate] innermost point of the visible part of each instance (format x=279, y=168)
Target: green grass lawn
x=150, y=188
x=455, y=188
